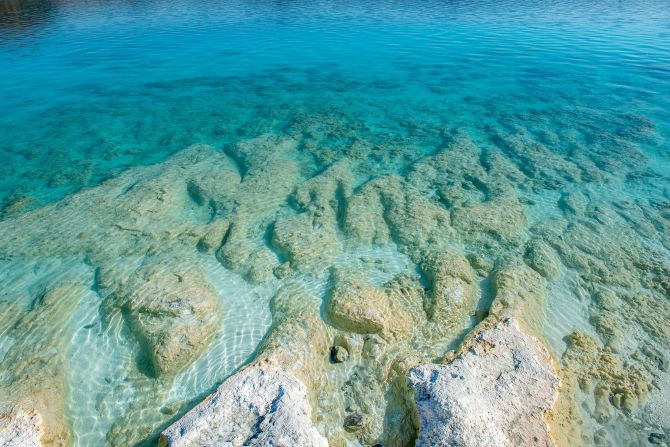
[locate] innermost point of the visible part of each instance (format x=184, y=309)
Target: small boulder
x=174, y=312
x=339, y=354
x=307, y=239
x=353, y=305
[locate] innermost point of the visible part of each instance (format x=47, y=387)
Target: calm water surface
x=92, y=88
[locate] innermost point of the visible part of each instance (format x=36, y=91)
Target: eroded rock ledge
x=494, y=393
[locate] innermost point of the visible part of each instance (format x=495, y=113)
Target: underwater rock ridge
x=400, y=310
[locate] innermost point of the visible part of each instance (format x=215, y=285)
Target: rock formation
x=496, y=392
x=377, y=257
x=258, y=406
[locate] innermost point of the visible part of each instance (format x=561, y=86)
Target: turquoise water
x=565, y=101
x=95, y=88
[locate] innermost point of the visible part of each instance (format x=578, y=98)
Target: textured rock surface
x=258, y=406
x=33, y=380
x=495, y=393
x=173, y=310
x=20, y=429
x=356, y=306
x=428, y=240
x=543, y=259
x=451, y=281
x=93, y=248
x=521, y=293
x=502, y=217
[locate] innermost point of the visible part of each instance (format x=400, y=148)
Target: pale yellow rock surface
x=172, y=309
x=355, y=306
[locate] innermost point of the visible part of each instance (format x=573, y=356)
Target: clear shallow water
x=92, y=89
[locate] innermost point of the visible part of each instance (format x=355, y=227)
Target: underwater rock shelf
x=426, y=308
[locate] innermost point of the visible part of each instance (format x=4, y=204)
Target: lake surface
x=514, y=134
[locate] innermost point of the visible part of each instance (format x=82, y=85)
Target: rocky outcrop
x=451, y=284
x=270, y=173
x=267, y=402
x=306, y=239
x=20, y=429
x=520, y=292
x=33, y=385
x=418, y=255
x=496, y=392
x=261, y=405
x=132, y=243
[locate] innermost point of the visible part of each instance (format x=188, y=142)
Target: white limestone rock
x=19, y=428
x=495, y=393
x=262, y=405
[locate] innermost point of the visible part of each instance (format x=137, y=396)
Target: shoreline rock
x=259, y=406
x=496, y=392
x=19, y=428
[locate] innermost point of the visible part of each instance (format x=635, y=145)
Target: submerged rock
x=173, y=311
x=543, y=259
x=33, y=380
x=496, y=392
x=502, y=217
x=364, y=217
x=572, y=203
x=597, y=370
x=451, y=281
x=262, y=405
x=519, y=292
x=214, y=234
x=339, y=354
x=307, y=240
x=356, y=306
x=265, y=209
x=270, y=173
